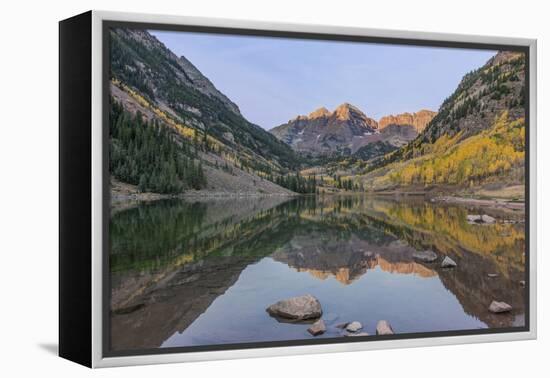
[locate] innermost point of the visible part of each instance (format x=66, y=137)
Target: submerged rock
x=425, y=256
x=448, y=263
x=297, y=308
x=354, y=327
x=318, y=328
x=356, y=334
x=384, y=328
x=499, y=307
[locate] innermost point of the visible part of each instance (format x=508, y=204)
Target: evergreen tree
x=144, y=153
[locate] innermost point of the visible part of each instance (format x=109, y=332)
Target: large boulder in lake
x=425, y=256
x=384, y=328
x=499, y=307
x=297, y=308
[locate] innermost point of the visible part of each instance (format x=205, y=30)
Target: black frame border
x=106, y=282
x=75, y=189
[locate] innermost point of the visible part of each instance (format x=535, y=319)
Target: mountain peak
x=321, y=112
x=345, y=110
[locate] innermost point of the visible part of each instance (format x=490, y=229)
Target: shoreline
x=493, y=202
x=149, y=197
x=118, y=198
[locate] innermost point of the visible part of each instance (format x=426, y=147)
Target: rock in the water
x=480, y=219
x=487, y=219
x=354, y=327
x=356, y=334
x=448, y=263
x=342, y=325
x=473, y=218
x=492, y=275
x=498, y=307
x=297, y=308
x=384, y=328
x=318, y=328
x=425, y=256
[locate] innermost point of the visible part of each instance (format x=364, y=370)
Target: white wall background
x=28, y=186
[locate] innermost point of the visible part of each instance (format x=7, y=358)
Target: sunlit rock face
x=324, y=132
x=418, y=120
x=347, y=129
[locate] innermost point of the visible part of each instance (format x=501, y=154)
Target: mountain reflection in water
x=185, y=274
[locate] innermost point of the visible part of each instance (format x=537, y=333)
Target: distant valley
x=174, y=133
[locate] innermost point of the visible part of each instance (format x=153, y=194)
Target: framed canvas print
x=233, y=189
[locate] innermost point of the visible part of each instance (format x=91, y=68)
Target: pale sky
x=275, y=79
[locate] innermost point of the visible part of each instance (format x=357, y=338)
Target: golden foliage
x=493, y=152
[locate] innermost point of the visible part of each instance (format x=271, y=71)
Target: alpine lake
x=187, y=273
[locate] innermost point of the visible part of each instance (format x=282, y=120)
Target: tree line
x=297, y=183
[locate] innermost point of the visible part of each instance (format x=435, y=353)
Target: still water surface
x=203, y=273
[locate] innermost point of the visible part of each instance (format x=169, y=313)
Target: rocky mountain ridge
x=348, y=129
x=476, y=140
x=418, y=120
x=481, y=96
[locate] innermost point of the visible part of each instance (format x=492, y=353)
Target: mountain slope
x=481, y=96
x=348, y=131
x=477, y=138
x=147, y=78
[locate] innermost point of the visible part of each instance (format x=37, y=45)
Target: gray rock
x=384, y=328
x=522, y=283
x=448, y=263
x=356, y=334
x=425, y=256
x=499, y=307
x=487, y=219
x=297, y=308
x=473, y=218
x=354, y=327
x=318, y=328
x=492, y=275
x=228, y=137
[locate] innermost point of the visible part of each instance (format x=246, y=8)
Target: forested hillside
x=476, y=138
x=214, y=146
x=481, y=96
x=145, y=154
x=496, y=154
